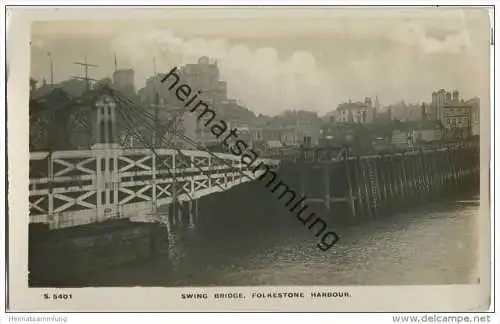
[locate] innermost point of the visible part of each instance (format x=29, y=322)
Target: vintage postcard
x=249, y=159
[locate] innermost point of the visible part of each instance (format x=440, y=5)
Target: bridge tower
x=106, y=151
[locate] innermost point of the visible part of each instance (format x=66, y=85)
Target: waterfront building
x=460, y=118
x=426, y=131
x=356, y=112
x=474, y=103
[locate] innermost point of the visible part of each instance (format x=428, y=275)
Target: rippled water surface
x=435, y=244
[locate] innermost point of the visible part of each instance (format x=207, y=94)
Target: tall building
x=423, y=113
x=437, y=103
x=205, y=76
x=454, y=114
x=474, y=103
x=123, y=80
x=439, y=100
x=377, y=105
x=202, y=76
x=457, y=119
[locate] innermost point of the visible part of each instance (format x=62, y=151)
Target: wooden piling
x=382, y=182
x=398, y=165
x=171, y=216
x=184, y=214
x=367, y=188
x=359, y=197
x=303, y=184
x=374, y=186
x=349, y=189
x=389, y=175
x=327, y=193
x=410, y=180
x=403, y=180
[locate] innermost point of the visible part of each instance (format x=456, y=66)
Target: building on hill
x=205, y=76
x=439, y=98
x=202, y=76
x=123, y=80
x=356, y=112
x=475, y=115
x=457, y=120
x=455, y=115
x=234, y=113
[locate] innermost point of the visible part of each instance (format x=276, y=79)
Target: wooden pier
x=372, y=186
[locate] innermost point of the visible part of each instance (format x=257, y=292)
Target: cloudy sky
x=275, y=60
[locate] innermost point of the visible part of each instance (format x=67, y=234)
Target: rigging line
x=169, y=171
x=187, y=157
x=175, y=192
x=80, y=120
x=126, y=117
x=187, y=139
x=142, y=114
x=202, y=148
x=125, y=103
x=130, y=102
x=174, y=176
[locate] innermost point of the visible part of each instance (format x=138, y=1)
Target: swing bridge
x=105, y=177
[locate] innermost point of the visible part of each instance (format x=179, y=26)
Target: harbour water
x=240, y=242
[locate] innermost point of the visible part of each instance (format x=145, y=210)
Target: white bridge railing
x=70, y=188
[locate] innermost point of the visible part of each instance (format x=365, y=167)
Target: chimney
x=422, y=111
x=434, y=97
x=368, y=102
x=455, y=96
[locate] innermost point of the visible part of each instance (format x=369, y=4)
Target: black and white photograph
x=258, y=147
